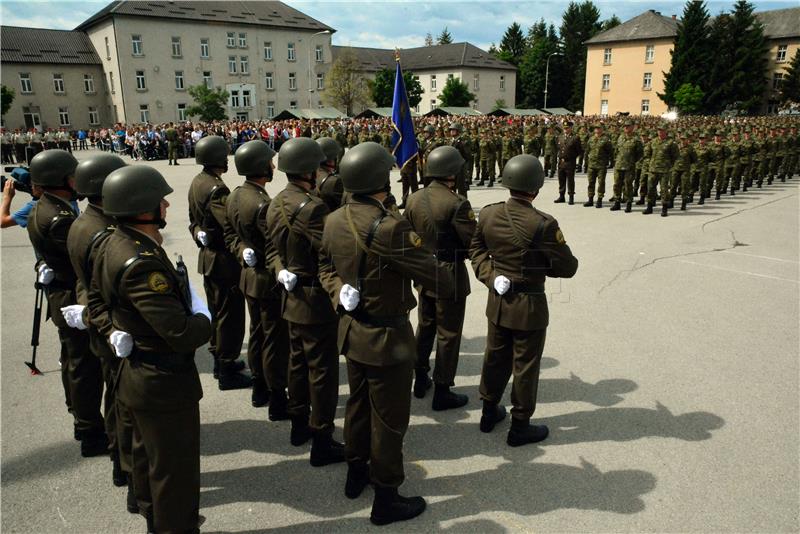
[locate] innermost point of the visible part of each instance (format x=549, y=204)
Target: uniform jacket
x=330, y=190
x=629, y=150
x=569, y=148
x=207, y=197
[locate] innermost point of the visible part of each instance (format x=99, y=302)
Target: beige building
x=625, y=65
x=489, y=79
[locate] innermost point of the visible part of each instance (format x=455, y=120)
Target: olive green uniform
x=598, y=154
x=172, y=145
x=330, y=189
x=551, y=147
x=569, y=148
x=629, y=150
x=664, y=154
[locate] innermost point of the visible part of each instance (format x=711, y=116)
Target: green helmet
x=331, y=147
x=429, y=129
x=443, y=161
x=51, y=168
x=523, y=173
x=132, y=190
x=212, y=151
x=90, y=173
x=456, y=126
x=300, y=155
x=253, y=158
x=365, y=168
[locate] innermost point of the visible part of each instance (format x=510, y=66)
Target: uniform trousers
x=440, y=320
x=597, y=175
x=226, y=304
x=662, y=180
x=566, y=177
x=267, y=345
x=314, y=373
x=623, y=184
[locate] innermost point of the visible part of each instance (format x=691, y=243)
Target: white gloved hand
x=198, y=304
x=249, y=256
x=202, y=237
x=122, y=343
x=46, y=274
x=501, y=284
x=287, y=279
x=349, y=297
x=73, y=315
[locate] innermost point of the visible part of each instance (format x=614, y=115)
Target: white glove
x=287, y=279
x=501, y=284
x=122, y=343
x=198, y=304
x=46, y=274
x=202, y=237
x=349, y=297
x=249, y=256
x=73, y=314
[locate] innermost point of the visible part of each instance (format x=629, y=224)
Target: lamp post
x=310, y=44
x=547, y=75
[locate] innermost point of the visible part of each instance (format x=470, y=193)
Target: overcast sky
x=401, y=24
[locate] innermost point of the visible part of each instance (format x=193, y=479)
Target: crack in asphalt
x=737, y=212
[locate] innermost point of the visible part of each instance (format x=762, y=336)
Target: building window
x=604, y=107
x=290, y=52
x=433, y=82
x=320, y=82
x=231, y=40
x=235, y=99
x=270, y=108
x=268, y=50
x=181, y=112
x=268, y=82
x=433, y=103
x=94, y=117
x=502, y=82
x=204, y=50
x=246, y=102
x=647, y=82
x=63, y=116
x=140, y=83
x=207, y=79
x=136, y=43
x=176, y=47
x=111, y=82
x=645, y=107
x=606, y=82
x=25, y=83
x=318, y=53
x=231, y=64
x=292, y=81
x=88, y=83
x=476, y=81
x=777, y=78
x=244, y=64
x=144, y=113
x=607, y=56
x=293, y=104
x=58, y=83
x=242, y=40
x=108, y=49
x=781, y=57
x=179, y=80
x=649, y=53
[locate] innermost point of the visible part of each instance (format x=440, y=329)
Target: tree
x=790, y=85
x=382, y=88
x=718, y=88
x=456, y=94
x=750, y=52
x=429, y=39
x=532, y=69
x=500, y=103
x=513, y=44
x=346, y=86
x=6, y=98
x=691, y=54
x=444, y=37
x=209, y=104
x=579, y=23
x=688, y=98
x=610, y=23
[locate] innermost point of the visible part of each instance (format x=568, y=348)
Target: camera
x=21, y=178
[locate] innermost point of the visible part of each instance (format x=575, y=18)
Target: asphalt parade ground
x=670, y=384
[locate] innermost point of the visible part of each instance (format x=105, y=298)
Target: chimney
x=674, y=17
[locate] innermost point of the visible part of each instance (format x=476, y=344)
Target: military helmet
x=365, y=168
x=212, y=151
x=50, y=168
x=429, y=129
x=301, y=155
x=443, y=161
x=90, y=173
x=456, y=126
x=133, y=189
x=253, y=158
x=523, y=173
x=331, y=148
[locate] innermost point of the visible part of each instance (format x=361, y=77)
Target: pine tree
x=691, y=53
x=790, y=85
x=749, y=67
x=513, y=44
x=610, y=23
x=579, y=23
x=444, y=37
x=719, y=88
x=531, y=74
x=428, y=39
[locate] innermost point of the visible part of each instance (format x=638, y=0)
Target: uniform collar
x=250, y=183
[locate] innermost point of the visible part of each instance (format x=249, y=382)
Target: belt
x=383, y=321
x=527, y=288
x=175, y=363
x=308, y=281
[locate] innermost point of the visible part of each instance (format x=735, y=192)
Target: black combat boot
x=277, y=406
x=683, y=205
x=151, y=524
x=664, y=210
x=671, y=203
x=389, y=507
x=640, y=202
x=523, y=432
x=744, y=187
x=444, y=399
x=559, y=200
x=733, y=190
x=301, y=432
x=492, y=414
x=589, y=203
x=649, y=209
x=616, y=206
x=216, y=365
x=130, y=501
x=230, y=378
x=94, y=443
x=571, y=199
x=719, y=194
x=628, y=206
x=260, y=394
x=599, y=203
x=118, y=476
x=759, y=183
x=690, y=200
x=325, y=450
x=422, y=383
x=769, y=180
x=702, y=200
x=357, y=479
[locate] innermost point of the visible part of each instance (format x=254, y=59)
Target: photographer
x=20, y=217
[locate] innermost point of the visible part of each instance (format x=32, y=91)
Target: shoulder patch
x=415, y=239
x=158, y=282
x=560, y=237
x=471, y=215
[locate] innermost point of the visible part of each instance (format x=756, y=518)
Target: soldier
x=703, y=154
x=217, y=241
x=599, y=154
x=643, y=168
x=681, y=171
x=462, y=145
x=49, y=223
x=747, y=149
x=778, y=154
x=475, y=154
x=533, y=141
x=295, y=219
x=550, y=150
x=376, y=254
x=172, y=144
x=733, y=166
x=20, y=139
x=7, y=148
x=486, y=147
x=664, y=154
x=422, y=150
x=629, y=151
x=159, y=322
x=408, y=177
x=329, y=186
x=445, y=222
x=717, y=164
x=514, y=248
x=569, y=147
x=766, y=159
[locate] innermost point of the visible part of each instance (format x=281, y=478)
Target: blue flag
x=404, y=140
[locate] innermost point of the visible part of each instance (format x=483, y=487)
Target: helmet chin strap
x=157, y=221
